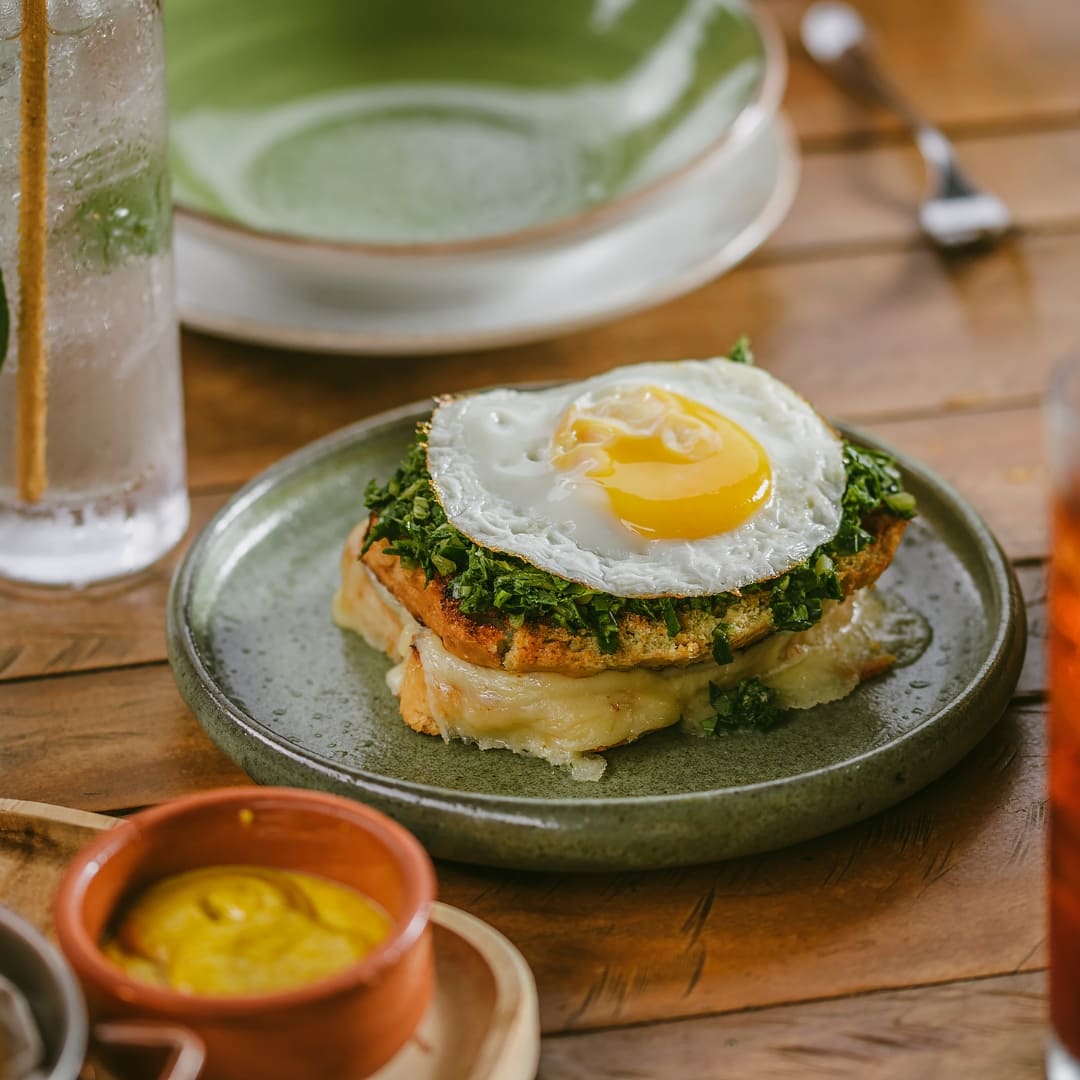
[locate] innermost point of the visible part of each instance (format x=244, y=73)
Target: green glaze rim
x=759, y=110
x=530, y=832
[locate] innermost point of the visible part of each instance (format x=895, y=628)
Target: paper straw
x=33, y=160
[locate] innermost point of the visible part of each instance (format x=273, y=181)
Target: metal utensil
x=955, y=213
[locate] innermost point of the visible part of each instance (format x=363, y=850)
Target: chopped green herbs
x=721, y=647
x=749, y=704
x=873, y=483
x=486, y=582
x=873, y=480
x=741, y=353
x=901, y=503
x=489, y=584
x=797, y=596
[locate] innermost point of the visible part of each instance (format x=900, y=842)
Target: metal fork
x=955, y=214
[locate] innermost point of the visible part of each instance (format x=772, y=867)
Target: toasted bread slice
x=536, y=647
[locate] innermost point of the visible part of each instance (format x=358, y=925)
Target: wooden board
x=482, y=1024
x=36, y=840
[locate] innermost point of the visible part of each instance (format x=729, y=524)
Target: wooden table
x=912, y=944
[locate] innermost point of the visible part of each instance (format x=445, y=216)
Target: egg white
x=490, y=460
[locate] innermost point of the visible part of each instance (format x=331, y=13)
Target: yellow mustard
x=235, y=930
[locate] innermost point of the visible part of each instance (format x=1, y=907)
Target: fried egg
x=668, y=479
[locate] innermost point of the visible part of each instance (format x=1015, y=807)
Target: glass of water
x=92, y=481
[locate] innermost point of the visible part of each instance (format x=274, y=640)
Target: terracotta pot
x=344, y=1026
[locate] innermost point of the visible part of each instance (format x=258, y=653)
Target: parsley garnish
x=740, y=352
x=749, y=704
x=873, y=483
x=873, y=480
x=721, y=647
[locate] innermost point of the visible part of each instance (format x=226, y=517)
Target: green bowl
x=405, y=125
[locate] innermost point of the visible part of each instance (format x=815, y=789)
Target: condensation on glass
x=115, y=498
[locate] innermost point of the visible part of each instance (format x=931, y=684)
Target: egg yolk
x=672, y=468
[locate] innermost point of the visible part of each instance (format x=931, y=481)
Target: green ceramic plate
x=294, y=700
x=417, y=122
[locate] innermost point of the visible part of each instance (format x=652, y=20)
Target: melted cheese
x=565, y=719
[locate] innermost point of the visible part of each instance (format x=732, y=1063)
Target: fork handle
x=855, y=70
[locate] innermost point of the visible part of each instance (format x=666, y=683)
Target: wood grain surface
x=947, y=885
x=106, y=626
x=967, y=64
x=907, y=335
x=990, y=1028
x=909, y=945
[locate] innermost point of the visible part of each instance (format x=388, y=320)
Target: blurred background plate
x=407, y=176
x=412, y=126
x=439, y=303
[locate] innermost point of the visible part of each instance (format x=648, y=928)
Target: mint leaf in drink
x=122, y=218
x=5, y=322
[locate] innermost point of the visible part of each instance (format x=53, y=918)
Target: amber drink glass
x=1063, y=446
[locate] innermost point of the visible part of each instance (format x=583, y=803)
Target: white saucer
x=709, y=224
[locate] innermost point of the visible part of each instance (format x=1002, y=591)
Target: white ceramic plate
x=706, y=226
